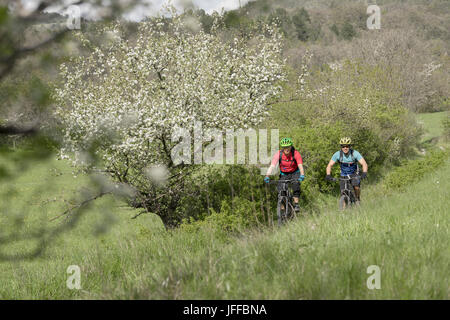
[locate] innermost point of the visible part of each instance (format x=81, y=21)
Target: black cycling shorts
x=355, y=181
x=295, y=185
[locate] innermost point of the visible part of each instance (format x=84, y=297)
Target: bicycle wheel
x=279, y=213
x=344, y=202
x=292, y=213
x=282, y=213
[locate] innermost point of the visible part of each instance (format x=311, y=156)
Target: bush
x=413, y=170
x=347, y=31
x=446, y=125
x=346, y=100
x=234, y=195
x=351, y=100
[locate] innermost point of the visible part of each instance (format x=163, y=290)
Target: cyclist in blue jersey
x=348, y=160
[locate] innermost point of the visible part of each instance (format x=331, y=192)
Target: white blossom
x=127, y=97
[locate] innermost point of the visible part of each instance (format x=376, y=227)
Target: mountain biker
x=291, y=167
x=348, y=158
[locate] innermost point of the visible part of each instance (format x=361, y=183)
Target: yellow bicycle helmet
x=345, y=140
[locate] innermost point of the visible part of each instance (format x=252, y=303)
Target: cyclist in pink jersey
x=291, y=167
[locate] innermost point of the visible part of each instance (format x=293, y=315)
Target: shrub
x=412, y=171
x=446, y=125
x=345, y=100
x=234, y=194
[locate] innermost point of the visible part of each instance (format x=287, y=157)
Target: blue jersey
x=349, y=164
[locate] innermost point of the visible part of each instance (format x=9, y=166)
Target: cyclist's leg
x=281, y=177
x=295, y=186
x=356, y=183
x=357, y=192
x=342, y=197
x=342, y=186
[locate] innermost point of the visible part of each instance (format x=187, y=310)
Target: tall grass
x=316, y=257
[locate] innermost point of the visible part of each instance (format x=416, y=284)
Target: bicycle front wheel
x=279, y=212
x=282, y=212
x=344, y=202
x=292, y=213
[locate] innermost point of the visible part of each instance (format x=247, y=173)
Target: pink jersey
x=288, y=164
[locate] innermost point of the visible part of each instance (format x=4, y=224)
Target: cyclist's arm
x=299, y=160
x=364, y=164
x=269, y=171
x=302, y=171
x=330, y=164
x=273, y=164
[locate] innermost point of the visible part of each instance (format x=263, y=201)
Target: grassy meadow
x=318, y=256
x=432, y=123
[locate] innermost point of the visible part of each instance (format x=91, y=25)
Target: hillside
x=97, y=171
x=319, y=256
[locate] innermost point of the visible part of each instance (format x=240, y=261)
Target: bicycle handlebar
x=285, y=181
x=344, y=178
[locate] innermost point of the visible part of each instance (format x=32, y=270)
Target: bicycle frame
x=348, y=189
x=347, y=194
x=284, y=198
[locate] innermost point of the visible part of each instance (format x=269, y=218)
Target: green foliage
x=234, y=20
x=205, y=19
x=433, y=125
x=301, y=22
x=6, y=34
x=351, y=102
x=233, y=196
x=347, y=31
x=328, y=254
x=304, y=28
x=223, y=223
x=335, y=29
x=413, y=171
x=446, y=125
x=3, y=15
x=281, y=18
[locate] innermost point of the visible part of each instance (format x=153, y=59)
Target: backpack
x=281, y=153
x=341, y=157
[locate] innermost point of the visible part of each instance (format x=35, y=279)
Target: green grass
x=432, y=123
x=404, y=232
x=317, y=257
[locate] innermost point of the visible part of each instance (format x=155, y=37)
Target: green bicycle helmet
x=286, y=142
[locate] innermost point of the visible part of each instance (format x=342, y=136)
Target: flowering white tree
x=126, y=97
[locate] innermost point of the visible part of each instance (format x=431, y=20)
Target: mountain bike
x=285, y=207
x=348, y=197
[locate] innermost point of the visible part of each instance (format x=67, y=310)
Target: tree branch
x=10, y=61
x=83, y=203
x=9, y=130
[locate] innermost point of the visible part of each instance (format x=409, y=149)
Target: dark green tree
x=302, y=23
x=334, y=28
x=348, y=31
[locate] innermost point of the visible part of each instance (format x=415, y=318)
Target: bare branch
x=10, y=61
x=80, y=205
